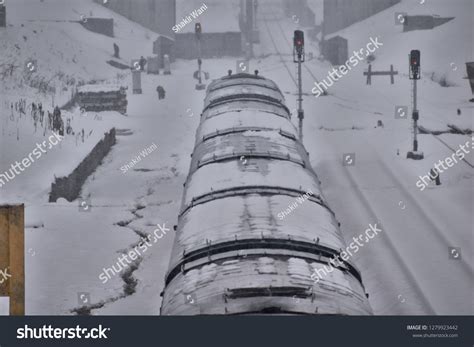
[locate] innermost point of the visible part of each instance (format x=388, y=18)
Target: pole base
x=200, y=86
x=137, y=91
x=415, y=155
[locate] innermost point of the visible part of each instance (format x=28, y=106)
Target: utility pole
x=249, y=18
x=198, y=31
x=3, y=14
x=298, y=57
x=414, y=75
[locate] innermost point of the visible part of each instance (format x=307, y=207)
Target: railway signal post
x=198, y=31
x=298, y=57
x=414, y=74
x=3, y=15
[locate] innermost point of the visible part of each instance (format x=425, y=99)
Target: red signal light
x=415, y=57
x=298, y=38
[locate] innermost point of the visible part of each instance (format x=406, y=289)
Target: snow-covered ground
x=407, y=270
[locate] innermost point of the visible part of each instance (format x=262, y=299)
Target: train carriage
x=254, y=225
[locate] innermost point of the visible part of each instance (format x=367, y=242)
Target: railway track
x=364, y=201
x=418, y=291
x=291, y=47
x=279, y=53
x=453, y=150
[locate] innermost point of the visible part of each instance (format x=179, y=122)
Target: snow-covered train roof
x=263, y=280
x=249, y=143
x=257, y=216
x=240, y=91
x=245, y=119
x=239, y=79
x=254, y=173
x=253, y=219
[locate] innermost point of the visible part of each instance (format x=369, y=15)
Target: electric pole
x=198, y=31
x=298, y=57
x=414, y=75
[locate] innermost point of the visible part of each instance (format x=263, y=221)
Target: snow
x=297, y=223
x=244, y=89
x=220, y=16
x=98, y=88
x=244, y=119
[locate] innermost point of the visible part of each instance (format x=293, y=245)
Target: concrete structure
x=470, y=74
x=167, y=65
x=423, y=22
x=3, y=16
x=213, y=45
x=163, y=46
x=70, y=187
x=339, y=14
x=221, y=30
x=221, y=35
x=304, y=15
x=153, y=65
x=156, y=15
x=137, y=81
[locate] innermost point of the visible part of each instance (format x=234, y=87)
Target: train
x=254, y=226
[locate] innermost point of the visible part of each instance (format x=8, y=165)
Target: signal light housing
x=198, y=30
x=414, y=64
x=298, y=45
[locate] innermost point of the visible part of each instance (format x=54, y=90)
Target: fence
x=369, y=73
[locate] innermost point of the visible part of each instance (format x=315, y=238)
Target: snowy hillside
x=49, y=33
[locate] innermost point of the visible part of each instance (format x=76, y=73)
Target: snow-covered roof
x=243, y=89
x=98, y=88
x=256, y=172
x=214, y=284
x=251, y=118
x=240, y=79
x=306, y=222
